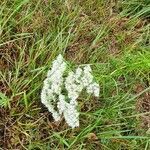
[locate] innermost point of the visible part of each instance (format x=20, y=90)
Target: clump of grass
x=4, y=102
x=111, y=36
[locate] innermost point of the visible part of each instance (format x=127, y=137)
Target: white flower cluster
x=52, y=93
x=52, y=86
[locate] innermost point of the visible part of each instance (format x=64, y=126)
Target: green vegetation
x=112, y=36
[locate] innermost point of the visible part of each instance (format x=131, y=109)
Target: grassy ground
x=112, y=36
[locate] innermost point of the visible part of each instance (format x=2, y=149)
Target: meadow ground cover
x=113, y=36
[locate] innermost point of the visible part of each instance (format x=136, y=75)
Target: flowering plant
x=53, y=96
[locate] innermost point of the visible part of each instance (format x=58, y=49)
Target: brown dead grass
x=143, y=106
x=8, y=55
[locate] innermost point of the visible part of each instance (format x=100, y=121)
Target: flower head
x=52, y=93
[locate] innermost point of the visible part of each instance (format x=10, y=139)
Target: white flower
x=52, y=93
x=71, y=116
x=61, y=105
x=93, y=88
x=87, y=77
x=55, y=115
x=52, y=86
x=88, y=82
